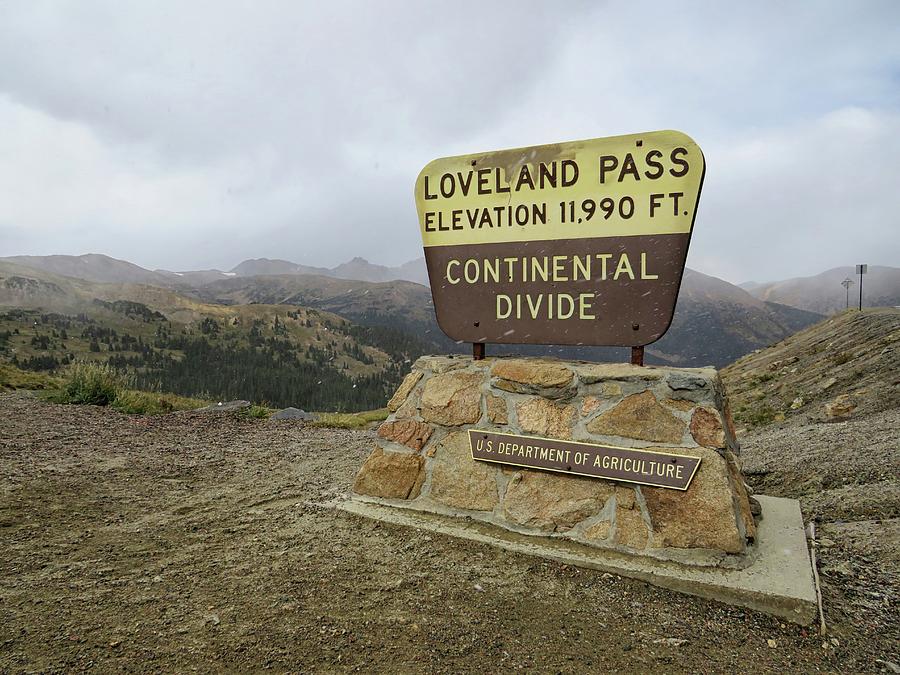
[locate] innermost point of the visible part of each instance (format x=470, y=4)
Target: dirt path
x=192, y=541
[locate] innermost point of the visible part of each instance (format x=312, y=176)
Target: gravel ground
x=199, y=541
x=839, y=470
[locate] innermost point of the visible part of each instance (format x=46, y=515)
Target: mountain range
x=104, y=269
x=715, y=322
x=358, y=269
x=824, y=294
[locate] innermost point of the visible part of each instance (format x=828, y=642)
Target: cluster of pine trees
x=223, y=360
x=269, y=375
x=41, y=362
x=131, y=309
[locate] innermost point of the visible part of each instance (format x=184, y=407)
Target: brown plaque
x=630, y=465
x=580, y=243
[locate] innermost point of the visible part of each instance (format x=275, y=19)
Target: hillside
x=358, y=269
x=363, y=270
x=90, y=267
x=715, y=322
x=851, y=360
x=194, y=277
x=283, y=355
x=400, y=310
x=268, y=267
x=824, y=294
x=820, y=417
x=356, y=299
x=104, y=269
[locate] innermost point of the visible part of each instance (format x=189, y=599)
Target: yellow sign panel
x=640, y=184
x=579, y=243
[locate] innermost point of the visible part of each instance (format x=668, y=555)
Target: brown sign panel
x=631, y=465
x=574, y=243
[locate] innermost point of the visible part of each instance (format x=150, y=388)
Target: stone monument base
x=423, y=460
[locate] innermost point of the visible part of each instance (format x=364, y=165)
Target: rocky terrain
x=206, y=541
x=823, y=413
x=847, y=366
x=820, y=413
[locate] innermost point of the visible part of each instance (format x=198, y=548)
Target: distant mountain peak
x=823, y=293
x=356, y=269
x=95, y=267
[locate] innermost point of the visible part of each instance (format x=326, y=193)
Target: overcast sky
x=190, y=135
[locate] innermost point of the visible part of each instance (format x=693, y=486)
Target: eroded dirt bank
x=197, y=541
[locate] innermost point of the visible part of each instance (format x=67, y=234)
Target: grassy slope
x=14, y=378
x=37, y=305
x=22, y=287
x=62, y=388
x=853, y=354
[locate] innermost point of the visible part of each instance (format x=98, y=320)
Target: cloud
x=77, y=194
x=803, y=199
x=195, y=135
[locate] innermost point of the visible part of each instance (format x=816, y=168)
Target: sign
x=572, y=243
x=630, y=465
x=860, y=270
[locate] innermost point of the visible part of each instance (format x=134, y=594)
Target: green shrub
x=258, y=411
x=759, y=415
x=841, y=358
x=90, y=383
x=358, y=420
x=15, y=378
x=135, y=402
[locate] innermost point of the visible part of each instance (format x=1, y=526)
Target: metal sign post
x=637, y=356
x=861, y=270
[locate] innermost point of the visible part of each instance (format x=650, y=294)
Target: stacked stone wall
x=422, y=458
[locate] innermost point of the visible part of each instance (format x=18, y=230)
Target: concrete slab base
x=779, y=581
